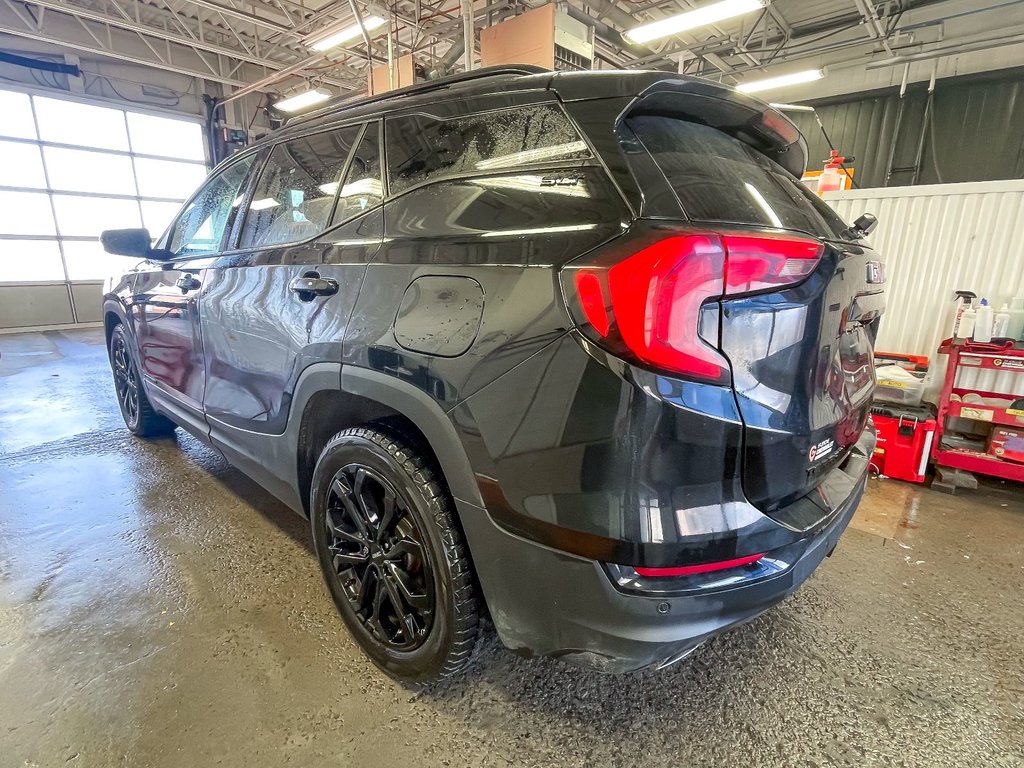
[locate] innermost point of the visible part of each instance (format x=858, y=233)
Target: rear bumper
x=548, y=602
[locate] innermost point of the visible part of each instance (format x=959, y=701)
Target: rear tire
x=393, y=556
x=136, y=410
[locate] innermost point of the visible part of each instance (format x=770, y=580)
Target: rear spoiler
x=751, y=121
x=696, y=100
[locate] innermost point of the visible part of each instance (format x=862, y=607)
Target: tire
x=385, y=535
x=136, y=410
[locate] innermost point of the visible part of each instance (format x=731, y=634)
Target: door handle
x=310, y=286
x=187, y=283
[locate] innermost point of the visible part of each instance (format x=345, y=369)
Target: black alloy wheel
x=378, y=556
x=393, y=554
x=126, y=382
x=138, y=413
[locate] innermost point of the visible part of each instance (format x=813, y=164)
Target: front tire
x=136, y=410
x=393, y=556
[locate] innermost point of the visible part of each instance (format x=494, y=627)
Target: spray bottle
x=964, y=300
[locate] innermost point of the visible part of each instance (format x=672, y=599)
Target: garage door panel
x=23, y=306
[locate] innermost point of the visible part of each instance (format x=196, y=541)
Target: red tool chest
x=904, y=444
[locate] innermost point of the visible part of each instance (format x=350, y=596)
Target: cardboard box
x=1007, y=443
x=403, y=73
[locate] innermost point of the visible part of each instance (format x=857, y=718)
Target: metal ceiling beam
x=197, y=43
x=132, y=26
x=98, y=50
x=875, y=29
x=227, y=10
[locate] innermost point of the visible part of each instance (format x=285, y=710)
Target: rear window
x=721, y=179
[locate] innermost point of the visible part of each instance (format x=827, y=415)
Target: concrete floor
x=159, y=609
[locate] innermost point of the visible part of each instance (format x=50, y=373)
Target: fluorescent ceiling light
x=370, y=23
x=262, y=205
x=698, y=17
x=791, y=107
x=303, y=100
x=793, y=78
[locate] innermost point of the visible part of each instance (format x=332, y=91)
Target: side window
x=362, y=188
x=200, y=227
x=422, y=149
x=296, y=190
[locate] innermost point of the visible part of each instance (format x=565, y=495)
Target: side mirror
x=863, y=226
x=131, y=242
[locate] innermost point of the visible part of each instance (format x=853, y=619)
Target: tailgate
x=802, y=367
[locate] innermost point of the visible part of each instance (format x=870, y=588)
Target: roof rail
x=425, y=87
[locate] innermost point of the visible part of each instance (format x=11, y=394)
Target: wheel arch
x=371, y=397
x=113, y=315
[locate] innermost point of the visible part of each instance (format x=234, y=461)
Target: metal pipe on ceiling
x=449, y=60
x=468, y=36
x=949, y=50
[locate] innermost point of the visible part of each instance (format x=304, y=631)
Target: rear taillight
x=647, y=303
x=763, y=262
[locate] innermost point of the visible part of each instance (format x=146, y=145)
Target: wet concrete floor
x=159, y=609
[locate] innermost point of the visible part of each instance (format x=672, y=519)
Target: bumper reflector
x=690, y=570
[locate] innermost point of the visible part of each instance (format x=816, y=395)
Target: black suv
x=575, y=349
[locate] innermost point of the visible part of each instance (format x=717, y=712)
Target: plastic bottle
x=832, y=176
x=1001, y=322
x=1016, y=329
x=964, y=301
x=983, y=323
x=967, y=320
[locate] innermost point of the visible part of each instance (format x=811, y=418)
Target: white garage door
x=69, y=170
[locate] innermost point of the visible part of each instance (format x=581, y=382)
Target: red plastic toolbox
x=904, y=442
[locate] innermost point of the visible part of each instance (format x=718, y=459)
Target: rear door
x=801, y=357
x=280, y=300
x=165, y=306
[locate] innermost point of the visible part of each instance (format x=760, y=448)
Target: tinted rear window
x=721, y=179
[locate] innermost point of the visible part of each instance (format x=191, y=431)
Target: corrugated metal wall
x=938, y=239
x=974, y=132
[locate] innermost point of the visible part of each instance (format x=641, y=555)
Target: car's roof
x=567, y=86
x=570, y=86
x=526, y=76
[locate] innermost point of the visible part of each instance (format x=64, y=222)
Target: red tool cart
x=995, y=357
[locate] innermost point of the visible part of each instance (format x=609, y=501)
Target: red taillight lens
x=690, y=570
x=648, y=303
x=758, y=263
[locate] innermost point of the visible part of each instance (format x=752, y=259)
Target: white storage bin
x=900, y=386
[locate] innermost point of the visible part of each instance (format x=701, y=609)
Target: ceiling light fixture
x=370, y=23
x=698, y=17
x=793, y=78
x=302, y=100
